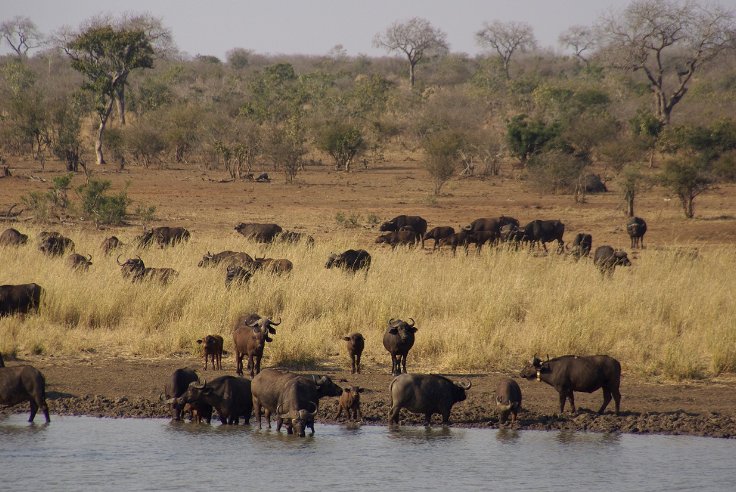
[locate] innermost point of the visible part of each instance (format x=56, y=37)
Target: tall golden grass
x=667, y=316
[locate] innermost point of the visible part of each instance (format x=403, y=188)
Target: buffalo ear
x=413, y=329
x=272, y=330
x=199, y=341
x=347, y=339
x=269, y=339
x=346, y=390
x=360, y=390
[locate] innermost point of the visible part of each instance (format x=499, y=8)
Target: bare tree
x=580, y=39
x=416, y=38
x=21, y=34
x=506, y=38
x=668, y=41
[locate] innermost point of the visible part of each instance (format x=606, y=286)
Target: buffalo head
x=401, y=328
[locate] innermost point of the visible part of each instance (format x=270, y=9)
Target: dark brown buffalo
x=581, y=245
x=227, y=257
x=356, y=344
x=19, y=384
x=482, y=237
x=54, y=244
x=164, y=236
x=212, y=348
x=295, y=237
x=404, y=236
x=508, y=399
x=75, y=261
x=636, y=227
x=261, y=233
x=22, y=298
x=439, y=233
x=250, y=335
x=491, y=224
x=136, y=270
x=238, y=274
x=350, y=402
x=274, y=266
x=545, y=231
x=571, y=373
x=110, y=244
x=13, y=237
x=425, y=394
x=461, y=238
x=230, y=395
x=351, y=260
x=418, y=224
x=398, y=340
x=176, y=387
x=290, y=396
x=199, y=411
x=607, y=259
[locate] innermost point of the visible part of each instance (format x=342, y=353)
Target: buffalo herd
x=293, y=399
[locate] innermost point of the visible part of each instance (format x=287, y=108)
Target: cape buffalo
x=508, y=399
x=75, y=261
x=290, y=396
x=578, y=373
x=237, y=274
x=274, y=266
x=425, y=394
x=13, y=237
x=491, y=224
x=356, y=344
x=581, y=245
x=350, y=402
x=137, y=271
x=295, y=237
x=22, y=298
x=110, y=244
x=607, y=259
x=19, y=384
x=164, y=236
x=229, y=257
x=636, y=227
x=439, y=233
x=418, y=224
x=212, y=348
x=261, y=233
x=406, y=235
x=398, y=340
x=461, y=238
x=350, y=260
x=250, y=335
x=545, y=231
x=231, y=396
x=176, y=387
x=54, y=244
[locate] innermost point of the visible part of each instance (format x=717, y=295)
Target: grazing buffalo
x=19, y=384
x=176, y=387
x=418, y=224
x=439, y=233
x=545, y=231
x=212, y=348
x=636, y=227
x=22, y=298
x=13, y=237
x=578, y=373
x=356, y=344
x=110, y=244
x=461, y=238
x=406, y=235
x=350, y=402
x=230, y=395
x=261, y=233
x=350, y=260
x=607, y=259
x=54, y=244
x=274, y=266
x=136, y=270
x=164, y=236
x=581, y=245
x=398, y=340
x=290, y=396
x=229, y=257
x=238, y=274
x=512, y=235
x=508, y=399
x=249, y=337
x=482, y=237
x=425, y=394
x=295, y=237
x=492, y=224
x=75, y=261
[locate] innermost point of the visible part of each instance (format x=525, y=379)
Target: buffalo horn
x=412, y=322
x=390, y=322
x=170, y=401
x=89, y=258
x=198, y=386
x=118, y=260
x=275, y=323
x=138, y=256
x=466, y=386
x=312, y=414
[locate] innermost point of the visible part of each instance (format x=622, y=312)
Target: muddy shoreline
x=131, y=388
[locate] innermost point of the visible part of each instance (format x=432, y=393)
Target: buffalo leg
x=257, y=408
x=393, y=416
x=358, y=416
x=563, y=397
x=251, y=365
x=339, y=412
x=258, y=365
x=571, y=395
x=446, y=417
x=403, y=363
x=239, y=363
x=616, y=399
x=205, y=362
x=357, y=363
x=428, y=419
x=606, y=400
x=34, y=409
x=352, y=364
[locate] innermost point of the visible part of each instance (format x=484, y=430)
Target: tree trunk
x=120, y=99
x=411, y=73
x=629, y=196
x=101, y=130
x=688, y=206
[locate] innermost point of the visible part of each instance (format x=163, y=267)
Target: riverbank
x=117, y=387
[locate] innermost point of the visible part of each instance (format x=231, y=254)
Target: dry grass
x=667, y=316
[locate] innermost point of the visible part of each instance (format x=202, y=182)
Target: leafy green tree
x=527, y=137
x=343, y=142
x=687, y=176
x=285, y=146
x=101, y=207
x=442, y=150
x=66, y=124
x=105, y=56
x=25, y=110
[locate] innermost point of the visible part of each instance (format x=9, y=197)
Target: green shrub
x=100, y=207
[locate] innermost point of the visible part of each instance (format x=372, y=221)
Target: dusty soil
x=132, y=387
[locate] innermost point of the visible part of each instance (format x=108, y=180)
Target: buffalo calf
x=356, y=344
x=508, y=399
x=212, y=347
x=350, y=402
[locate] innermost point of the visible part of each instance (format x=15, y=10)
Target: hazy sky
x=315, y=26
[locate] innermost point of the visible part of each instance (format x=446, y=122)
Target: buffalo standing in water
x=23, y=383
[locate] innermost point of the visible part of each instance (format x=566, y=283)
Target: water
x=86, y=453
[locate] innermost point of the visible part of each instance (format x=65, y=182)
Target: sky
x=314, y=27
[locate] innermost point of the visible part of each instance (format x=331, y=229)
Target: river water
x=87, y=453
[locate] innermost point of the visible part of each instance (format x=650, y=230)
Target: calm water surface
x=86, y=453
